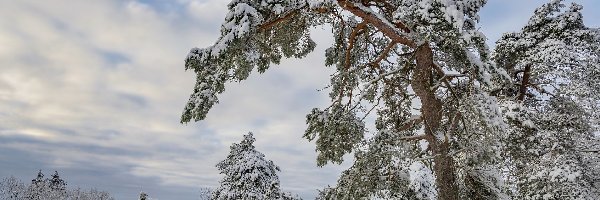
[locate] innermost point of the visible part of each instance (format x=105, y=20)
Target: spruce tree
x=38, y=189
x=143, y=196
x=56, y=183
x=248, y=174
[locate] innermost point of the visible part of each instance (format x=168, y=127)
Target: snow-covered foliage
x=13, y=188
x=247, y=42
x=335, y=126
x=548, y=160
x=143, y=196
x=205, y=193
x=555, y=62
x=383, y=171
x=248, y=174
x=484, y=183
x=49, y=188
x=46, y=189
x=454, y=120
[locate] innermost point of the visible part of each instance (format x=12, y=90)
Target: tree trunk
x=431, y=112
x=445, y=173
x=431, y=106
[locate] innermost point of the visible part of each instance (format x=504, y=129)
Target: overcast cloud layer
x=95, y=89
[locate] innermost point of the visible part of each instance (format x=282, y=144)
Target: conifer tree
x=38, y=188
x=555, y=63
x=248, y=174
x=143, y=196
x=390, y=54
x=12, y=189
x=56, y=183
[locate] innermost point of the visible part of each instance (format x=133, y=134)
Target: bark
x=524, y=83
x=431, y=112
x=431, y=106
x=395, y=34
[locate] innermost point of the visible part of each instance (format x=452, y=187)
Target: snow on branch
x=378, y=21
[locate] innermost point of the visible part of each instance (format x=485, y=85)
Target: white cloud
x=103, y=81
x=206, y=9
x=34, y=133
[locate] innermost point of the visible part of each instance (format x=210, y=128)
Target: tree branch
x=387, y=28
x=384, y=53
x=352, y=39
x=524, y=83
x=410, y=123
x=272, y=23
x=440, y=71
x=590, y=150
x=415, y=137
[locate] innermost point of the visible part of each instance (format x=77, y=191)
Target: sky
x=94, y=89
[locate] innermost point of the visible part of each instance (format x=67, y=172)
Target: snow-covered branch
x=374, y=19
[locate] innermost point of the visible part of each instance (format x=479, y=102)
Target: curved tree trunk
x=431, y=112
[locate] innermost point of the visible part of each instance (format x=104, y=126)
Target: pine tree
x=12, y=189
x=38, y=189
x=390, y=54
x=56, y=183
x=248, y=175
x=143, y=196
x=39, y=179
x=555, y=61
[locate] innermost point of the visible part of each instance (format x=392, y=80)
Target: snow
x=490, y=120
x=440, y=136
x=422, y=181
x=563, y=173
x=488, y=107
x=474, y=59
x=380, y=18
x=313, y=4
x=528, y=123
x=248, y=174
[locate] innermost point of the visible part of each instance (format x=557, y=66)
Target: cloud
x=100, y=86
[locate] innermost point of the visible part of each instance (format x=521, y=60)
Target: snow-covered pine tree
x=387, y=54
x=555, y=63
x=248, y=174
x=38, y=179
x=56, y=183
x=38, y=189
x=49, y=188
x=143, y=196
x=12, y=189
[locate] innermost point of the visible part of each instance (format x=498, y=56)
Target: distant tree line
x=47, y=189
